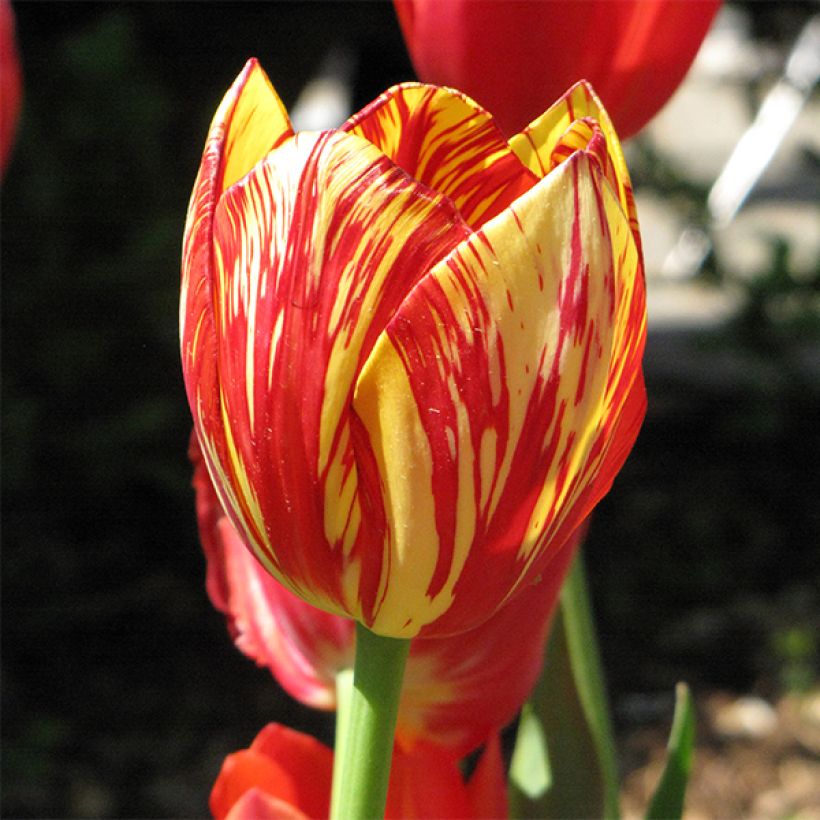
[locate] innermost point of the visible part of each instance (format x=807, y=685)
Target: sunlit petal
x=445, y=140
x=490, y=400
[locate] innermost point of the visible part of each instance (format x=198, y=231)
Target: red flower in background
x=457, y=691
x=516, y=56
x=10, y=83
x=286, y=774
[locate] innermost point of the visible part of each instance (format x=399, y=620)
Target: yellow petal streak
x=258, y=122
x=405, y=465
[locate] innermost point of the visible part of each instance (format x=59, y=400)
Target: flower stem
x=365, y=725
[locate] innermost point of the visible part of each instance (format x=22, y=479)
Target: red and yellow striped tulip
x=456, y=691
x=412, y=348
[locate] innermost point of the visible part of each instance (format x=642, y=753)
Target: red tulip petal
x=303, y=646
x=487, y=789
x=516, y=57
x=314, y=251
x=242, y=771
x=288, y=765
x=425, y=784
x=656, y=43
x=526, y=342
x=446, y=141
x=256, y=804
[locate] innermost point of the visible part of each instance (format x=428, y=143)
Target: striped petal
x=314, y=251
x=250, y=121
x=578, y=122
x=490, y=400
x=447, y=141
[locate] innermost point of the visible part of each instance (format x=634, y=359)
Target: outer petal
x=314, y=251
x=515, y=57
x=303, y=646
x=447, y=141
x=250, y=121
x=526, y=342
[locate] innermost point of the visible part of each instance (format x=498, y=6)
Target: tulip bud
x=412, y=348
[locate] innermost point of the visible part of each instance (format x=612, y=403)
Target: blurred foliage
x=122, y=692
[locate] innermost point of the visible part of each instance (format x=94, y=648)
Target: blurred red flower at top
x=10, y=83
x=515, y=56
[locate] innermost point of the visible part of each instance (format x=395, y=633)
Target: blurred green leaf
x=568, y=714
x=667, y=802
x=530, y=765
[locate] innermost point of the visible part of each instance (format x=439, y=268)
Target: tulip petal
x=249, y=122
x=526, y=342
x=445, y=140
x=487, y=788
x=256, y=804
x=426, y=783
x=314, y=250
x=286, y=764
x=514, y=57
x=566, y=127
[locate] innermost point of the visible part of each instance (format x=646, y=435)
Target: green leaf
x=530, y=765
x=569, y=712
x=667, y=803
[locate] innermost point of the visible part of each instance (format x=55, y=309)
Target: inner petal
x=447, y=141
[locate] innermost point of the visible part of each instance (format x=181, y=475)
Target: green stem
x=344, y=697
x=365, y=727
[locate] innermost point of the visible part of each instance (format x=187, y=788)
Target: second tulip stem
x=364, y=741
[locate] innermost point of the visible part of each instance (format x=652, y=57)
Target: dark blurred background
x=121, y=689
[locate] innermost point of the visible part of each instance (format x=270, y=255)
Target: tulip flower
x=515, y=56
x=10, y=83
x=412, y=348
x=457, y=691
x=286, y=774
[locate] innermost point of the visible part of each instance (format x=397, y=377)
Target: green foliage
x=667, y=802
x=564, y=760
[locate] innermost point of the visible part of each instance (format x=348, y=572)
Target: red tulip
x=456, y=691
x=515, y=56
x=412, y=348
x=286, y=774
x=10, y=83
